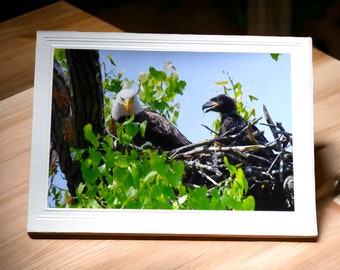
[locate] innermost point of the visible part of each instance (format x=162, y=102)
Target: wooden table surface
x=17, y=41
x=19, y=251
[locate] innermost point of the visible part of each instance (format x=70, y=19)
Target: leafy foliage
x=132, y=179
x=158, y=89
x=147, y=179
x=239, y=189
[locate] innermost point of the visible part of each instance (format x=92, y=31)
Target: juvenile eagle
x=242, y=132
x=231, y=121
x=159, y=131
x=267, y=191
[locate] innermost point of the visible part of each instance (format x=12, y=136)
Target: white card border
x=301, y=223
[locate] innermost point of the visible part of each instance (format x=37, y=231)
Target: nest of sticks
x=268, y=167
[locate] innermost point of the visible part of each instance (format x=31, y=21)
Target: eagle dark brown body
x=159, y=131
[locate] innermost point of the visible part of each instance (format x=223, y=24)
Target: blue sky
x=259, y=74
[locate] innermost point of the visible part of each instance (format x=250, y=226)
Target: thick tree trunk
x=76, y=102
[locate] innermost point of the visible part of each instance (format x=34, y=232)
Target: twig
x=212, y=131
x=214, y=149
x=208, y=178
x=274, y=161
x=223, y=137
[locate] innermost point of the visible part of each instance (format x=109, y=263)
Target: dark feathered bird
x=267, y=196
x=159, y=131
x=232, y=122
x=242, y=132
x=267, y=191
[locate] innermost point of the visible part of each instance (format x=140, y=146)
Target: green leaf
x=175, y=175
x=127, y=130
x=180, y=86
x=169, y=192
x=80, y=188
x=77, y=153
x=110, y=158
x=158, y=95
x=252, y=98
x=275, y=56
x=215, y=201
x=90, y=136
x=90, y=175
x=131, y=193
x=123, y=162
x=120, y=174
x=158, y=75
x=252, y=112
x=150, y=175
x=248, y=203
x=129, y=121
x=142, y=128
x=242, y=180
x=228, y=200
x=221, y=82
x=231, y=168
x=132, y=129
x=109, y=141
x=114, y=85
x=109, y=57
x=95, y=156
x=60, y=54
x=199, y=199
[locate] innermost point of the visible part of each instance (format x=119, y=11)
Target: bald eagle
x=159, y=131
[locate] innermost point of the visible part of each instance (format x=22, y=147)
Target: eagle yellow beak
x=128, y=105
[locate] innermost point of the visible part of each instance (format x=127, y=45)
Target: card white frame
x=300, y=223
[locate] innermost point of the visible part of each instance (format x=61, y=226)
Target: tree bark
x=76, y=101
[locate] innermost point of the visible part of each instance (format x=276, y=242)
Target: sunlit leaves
x=129, y=129
x=158, y=89
x=149, y=179
x=131, y=179
x=199, y=199
x=235, y=196
x=158, y=76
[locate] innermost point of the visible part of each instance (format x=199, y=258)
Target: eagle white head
x=125, y=104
